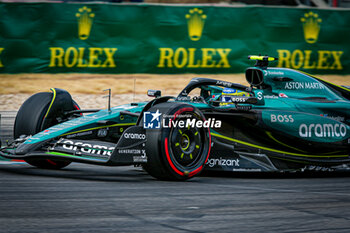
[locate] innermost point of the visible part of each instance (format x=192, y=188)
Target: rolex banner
x=114, y=38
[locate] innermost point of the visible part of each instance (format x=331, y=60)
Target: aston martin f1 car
x=285, y=120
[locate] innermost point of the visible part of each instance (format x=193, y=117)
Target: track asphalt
x=87, y=198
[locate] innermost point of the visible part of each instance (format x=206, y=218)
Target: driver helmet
x=228, y=92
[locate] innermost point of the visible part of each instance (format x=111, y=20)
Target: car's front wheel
x=30, y=120
x=179, y=149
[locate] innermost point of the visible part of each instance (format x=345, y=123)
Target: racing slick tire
x=29, y=121
x=175, y=152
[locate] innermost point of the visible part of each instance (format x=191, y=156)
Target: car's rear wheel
x=30, y=120
x=177, y=151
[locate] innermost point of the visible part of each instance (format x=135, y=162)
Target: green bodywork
x=309, y=119
x=89, y=122
x=295, y=117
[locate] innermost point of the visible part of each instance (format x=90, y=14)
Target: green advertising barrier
x=114, y=38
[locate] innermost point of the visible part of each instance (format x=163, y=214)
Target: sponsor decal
x=223, y=83
x=260, y=96
x=131, y=151
x=238, y=99
x=322, y=130
x=140, y=154
x=85, y=19
x=67, y=123
x=274, y=96
x=336, y=118
x=194, y=57
x=101, y=133
x=297, y=59
x=269, y=72
x=282, y=95
x=223, y=162
x=82, y=57
x=183, y=98
x=195, y=23
x=231, y=99
x=87, y=148
x=311, y=26
x=139, y=159
x=303, y=85
x=92, y=57
x=246, y=169
x=310, y=59
x=226, y=99
x=185, y=58
x=229, y=91
x=282, y=118
x=46, y=132
x=135, y=136
x=79, y=134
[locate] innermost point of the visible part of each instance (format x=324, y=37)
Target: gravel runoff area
x=87, y=89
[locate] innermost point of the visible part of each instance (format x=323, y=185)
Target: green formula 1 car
x=286, y=120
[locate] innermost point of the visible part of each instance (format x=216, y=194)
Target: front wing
x=129, y=150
